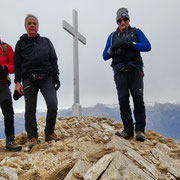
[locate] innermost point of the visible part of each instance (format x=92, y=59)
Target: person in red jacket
x=6, y=67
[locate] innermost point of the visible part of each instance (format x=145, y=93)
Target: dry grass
x=99, y=119
x=152, y=135
x=118, y=126
x=111, y=122
x=61, y=173
x=175, y=154
x=32, y=176
x=21, y=138
x=163, y=170
x=98, y=155
x=168, y=141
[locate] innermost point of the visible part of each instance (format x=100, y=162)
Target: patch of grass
x=175, y=154
x=98, y=155
x=163, y=170
x=21, y=138
x=118, y=126
x=32, y=176
x=152, y=135
x=61, y=173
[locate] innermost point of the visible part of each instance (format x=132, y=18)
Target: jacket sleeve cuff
x=110, y=52
x=17, y=80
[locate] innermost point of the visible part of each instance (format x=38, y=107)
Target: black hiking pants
x=7, y=110
x=131, y=83
x=30, y=94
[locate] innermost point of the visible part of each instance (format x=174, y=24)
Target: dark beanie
x=122, y=12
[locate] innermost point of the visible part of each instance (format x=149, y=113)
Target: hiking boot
x=32, y=142
x=124, y=134
x=140, y=136
x=51, y=137
x=12, y=146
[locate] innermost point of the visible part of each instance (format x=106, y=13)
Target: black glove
x=127, y=45
x=56, y=82
x=16, y=95
x=122, y=44
x=116, y=46
x=3, y=69
x=119, y=52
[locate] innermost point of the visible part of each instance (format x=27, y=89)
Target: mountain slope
x=163, y=118
x=89, y=150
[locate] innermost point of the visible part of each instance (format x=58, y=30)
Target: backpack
x=4, y=46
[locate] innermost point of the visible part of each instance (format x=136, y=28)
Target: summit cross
x=73, y=30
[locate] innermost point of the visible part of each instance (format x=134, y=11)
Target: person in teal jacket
x=124, y=46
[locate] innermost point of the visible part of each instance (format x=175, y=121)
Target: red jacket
x=4, y=61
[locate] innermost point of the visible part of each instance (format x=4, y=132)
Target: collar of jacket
x=118, y=31
x=26, y=37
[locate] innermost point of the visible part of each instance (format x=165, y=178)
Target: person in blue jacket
x=124, y=46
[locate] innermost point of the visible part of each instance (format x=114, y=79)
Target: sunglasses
x=125, y=19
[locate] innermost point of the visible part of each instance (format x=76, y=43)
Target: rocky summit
x=88, y=149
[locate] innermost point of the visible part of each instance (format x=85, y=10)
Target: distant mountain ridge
x=163, y=118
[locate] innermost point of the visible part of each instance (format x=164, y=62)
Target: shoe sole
x=119, y=134
x=51, y=139
x=140, y=139
x=33, y=144
x=14, y=150
x=47, y=140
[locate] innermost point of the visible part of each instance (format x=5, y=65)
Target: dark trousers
x=30, y=94
x=131, y=83
x=7, y=110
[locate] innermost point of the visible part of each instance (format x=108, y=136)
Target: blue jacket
x=142, y=45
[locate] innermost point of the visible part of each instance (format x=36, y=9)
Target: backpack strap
x=134, y=29
x=4, y=46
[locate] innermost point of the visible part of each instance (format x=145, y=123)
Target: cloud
x=96, y=20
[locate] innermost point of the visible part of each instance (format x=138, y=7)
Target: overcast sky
x=158, y=19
